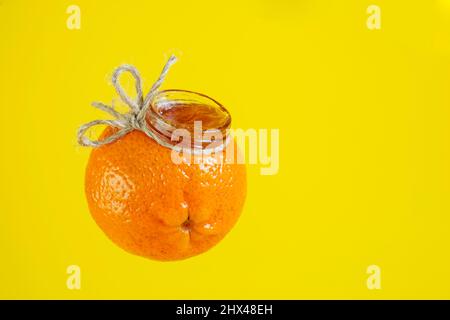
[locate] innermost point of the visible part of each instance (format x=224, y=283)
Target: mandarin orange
x=152, y=207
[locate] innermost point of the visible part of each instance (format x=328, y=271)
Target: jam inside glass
x=181, y=109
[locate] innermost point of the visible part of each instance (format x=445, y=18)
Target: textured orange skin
x=142, y=200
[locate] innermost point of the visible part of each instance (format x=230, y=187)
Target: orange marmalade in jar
x=155, y=207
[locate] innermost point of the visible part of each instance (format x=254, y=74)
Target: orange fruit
x=155, y=208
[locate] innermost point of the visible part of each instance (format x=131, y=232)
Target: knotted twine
x=135, y=119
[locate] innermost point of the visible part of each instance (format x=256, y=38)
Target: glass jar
x=200, y=122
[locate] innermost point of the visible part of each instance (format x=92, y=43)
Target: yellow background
x=364, y=120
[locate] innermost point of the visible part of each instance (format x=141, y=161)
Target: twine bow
x=135, y=118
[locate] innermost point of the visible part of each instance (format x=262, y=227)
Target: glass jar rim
x=164, y=129
x=202, y=99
